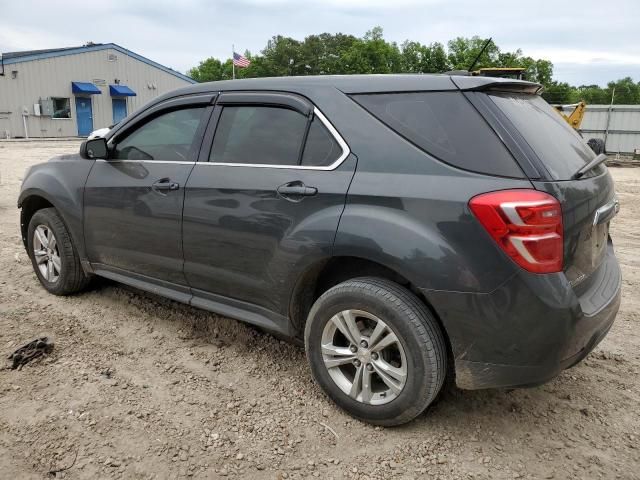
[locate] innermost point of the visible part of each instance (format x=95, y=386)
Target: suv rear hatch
x=551, y=153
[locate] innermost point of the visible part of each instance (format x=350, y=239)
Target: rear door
x=133, y=201
x=557, y=152
x=265, y=199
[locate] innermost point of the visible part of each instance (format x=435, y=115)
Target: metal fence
x=617, y=125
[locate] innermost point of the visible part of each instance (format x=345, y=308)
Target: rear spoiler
x=493, y=84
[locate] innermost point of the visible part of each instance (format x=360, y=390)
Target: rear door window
x=557, y=145
x=258, y=135
x=321, y=149
x=445, y=125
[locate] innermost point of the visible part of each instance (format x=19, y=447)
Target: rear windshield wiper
x=589, y=166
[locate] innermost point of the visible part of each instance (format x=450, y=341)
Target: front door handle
x=296, y=191
x=165, y=184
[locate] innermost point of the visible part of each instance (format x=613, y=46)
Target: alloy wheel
x=364, y=357
x=46, y=253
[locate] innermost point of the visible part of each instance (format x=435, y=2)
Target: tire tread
x=421, y=320
x=72, y=279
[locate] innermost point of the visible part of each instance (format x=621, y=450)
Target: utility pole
x=606, y=132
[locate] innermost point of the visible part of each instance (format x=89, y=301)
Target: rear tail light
x=526, y=224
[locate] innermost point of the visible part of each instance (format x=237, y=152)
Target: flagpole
x=233, y=64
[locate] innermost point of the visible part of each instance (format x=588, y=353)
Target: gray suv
x=406, y=228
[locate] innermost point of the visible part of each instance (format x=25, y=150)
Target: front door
x=119, y=106
x=133, y=201
x=84, y=116
x=260, y=207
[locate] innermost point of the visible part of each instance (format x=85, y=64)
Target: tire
x=597, y=145
x=419, y=350
x=70, y=276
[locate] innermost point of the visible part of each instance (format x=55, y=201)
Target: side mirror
x=94, y=148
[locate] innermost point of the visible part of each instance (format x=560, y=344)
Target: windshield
x=557, y=145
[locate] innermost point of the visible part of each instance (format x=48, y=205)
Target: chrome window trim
x=116, y=160
x=338, y=138
x=334, y=133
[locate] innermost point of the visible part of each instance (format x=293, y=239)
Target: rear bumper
x=528, y=330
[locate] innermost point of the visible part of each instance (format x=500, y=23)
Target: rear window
x=445, y=125
x=557, y=145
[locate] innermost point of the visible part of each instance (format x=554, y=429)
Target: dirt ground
x=141, y=387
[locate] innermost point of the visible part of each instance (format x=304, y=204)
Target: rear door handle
x=296, y=191
x=165, y=184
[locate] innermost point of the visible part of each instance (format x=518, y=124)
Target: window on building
x=258, y=135
x=61, y=108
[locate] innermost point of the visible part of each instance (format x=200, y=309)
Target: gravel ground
x=141, y=387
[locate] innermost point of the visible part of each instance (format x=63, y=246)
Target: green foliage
x=334, y=54
x=624, y=92
x=463, y=51
x=560, y=93
x=418, y=58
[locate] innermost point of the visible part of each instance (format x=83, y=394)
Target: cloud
x=586, y=57
x=584, y=40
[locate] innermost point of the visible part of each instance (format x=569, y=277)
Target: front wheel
x=376, y=350
x=54, y=258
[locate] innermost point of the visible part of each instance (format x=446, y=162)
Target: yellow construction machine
x=574, y=113
x=516, y=73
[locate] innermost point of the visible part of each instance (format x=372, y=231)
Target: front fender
x=60, y=183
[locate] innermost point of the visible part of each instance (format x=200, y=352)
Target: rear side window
x=557, y=145
x=258, y=135
x=321, y=148
x=445, y=125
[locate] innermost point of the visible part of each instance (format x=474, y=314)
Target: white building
x=68, y=92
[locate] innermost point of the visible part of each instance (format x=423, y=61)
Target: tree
x=463, y=51
x=540, y=71
x=372, y=54
x=323, y=53
x=331, y=54
x=593, y=94
x=211, y=69
x=560, y=93
x=418, y=58
x=627, y=92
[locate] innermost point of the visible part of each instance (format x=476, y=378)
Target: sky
x=588, y=41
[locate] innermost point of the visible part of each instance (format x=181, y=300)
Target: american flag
x=240, y=61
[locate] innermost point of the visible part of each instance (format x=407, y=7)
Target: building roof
x=30, y=55
x=26, y=53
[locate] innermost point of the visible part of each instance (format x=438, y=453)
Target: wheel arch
x=31, y=201
x=324, y=274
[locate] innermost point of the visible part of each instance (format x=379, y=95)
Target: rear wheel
x=376, y=350
x=54, y=258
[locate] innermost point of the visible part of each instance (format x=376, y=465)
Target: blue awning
x=121, y=91
x=85, y=88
